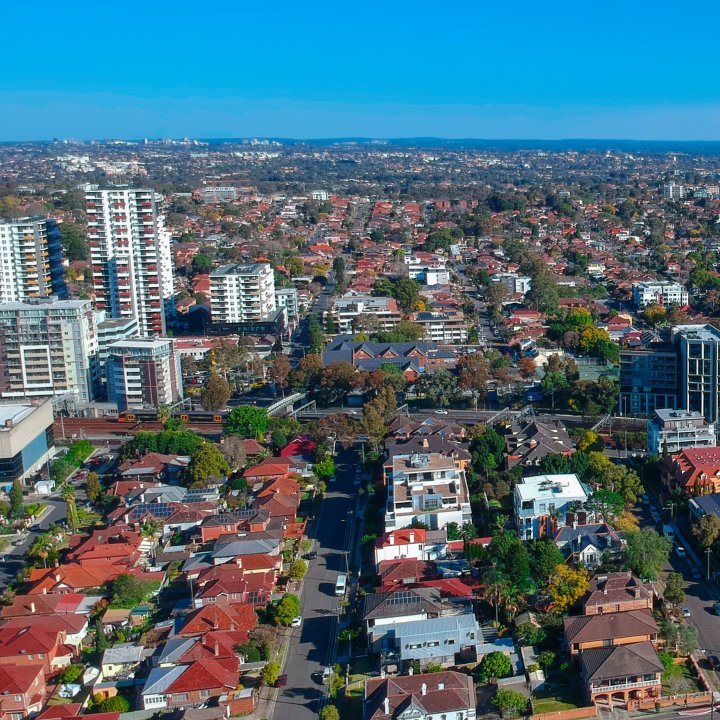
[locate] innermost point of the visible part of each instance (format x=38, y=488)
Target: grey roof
x=199, y=561
x=614, y=662
x=238, y=546
x=160, y=679
x=123, y=654
x=462, y=628
x=709, y=504
x=533, y=440
x=402, y=602
x=426, y=443
x=173, y=650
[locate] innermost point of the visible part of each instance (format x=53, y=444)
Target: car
x=35, y=528
x=441, y=412
x=296, y=621
x=714, y=661
x=716, y=608
x=645, y=499
x=332, y=478
x=311, y=555
x=696, y=574
x=281, y=681
x=680, y=551
x=685, y=611
x=327, y=672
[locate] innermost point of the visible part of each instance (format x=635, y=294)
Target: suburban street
x=312, y=645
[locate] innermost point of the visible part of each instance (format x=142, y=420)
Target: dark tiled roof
x=402, y=602
x=591, y=628
x=607, y=663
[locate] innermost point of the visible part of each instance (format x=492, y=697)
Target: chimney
x=58, y=577
x=217, y=649
x=570, y=519
x=32, y=607
x=423, y=689
x=412, y=537
x=425, y=443
x=386, y=702
x=636, y=592
x=391, y=538
x=582, y=517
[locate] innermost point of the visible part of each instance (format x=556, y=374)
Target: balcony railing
x=624, y=686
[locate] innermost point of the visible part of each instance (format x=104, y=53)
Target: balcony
x=624, y=686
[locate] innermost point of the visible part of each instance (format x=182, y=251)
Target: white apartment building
x=215, y=194
x=673, y=191
x=542, y=501
x=131, y=257
x=427, y=271
x=143, y=372
x=427, y=488
x=319, y=195
x=516, y=284
x=240, y=293
x=442, y=327
x=662, y=292
x=288, y=298
x=346, y=309
x=675, y=430
x=30, y=260
x=48, y=347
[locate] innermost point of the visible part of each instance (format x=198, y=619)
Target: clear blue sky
x=462, y=68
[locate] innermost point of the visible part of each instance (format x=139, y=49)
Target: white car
x=686, y=611
x=441, y=412
x=680, y=551
x=296, y=621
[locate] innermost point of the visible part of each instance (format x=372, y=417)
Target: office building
x=143, y=372
x=131, y=258
x=659, y=293
x=241, y=293
x=670, y=431
x=30, y=260
x=26, y=439
x=542, y=501
x=48, y=347
x=698, y=349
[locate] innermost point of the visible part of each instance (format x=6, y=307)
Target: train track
x=72, y=428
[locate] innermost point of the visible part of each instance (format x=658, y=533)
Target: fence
x=573, y=714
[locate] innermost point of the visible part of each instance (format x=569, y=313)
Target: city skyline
x=467, y=72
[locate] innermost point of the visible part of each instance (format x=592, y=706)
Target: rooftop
x=14, y=414
x=547, y=487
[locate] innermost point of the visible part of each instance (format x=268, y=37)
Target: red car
x=281, y=681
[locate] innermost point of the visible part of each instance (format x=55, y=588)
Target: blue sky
x=633, y=69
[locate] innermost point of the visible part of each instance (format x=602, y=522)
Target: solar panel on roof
x=403, y=597
x=159, y=510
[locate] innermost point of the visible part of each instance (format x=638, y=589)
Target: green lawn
x=547, y=705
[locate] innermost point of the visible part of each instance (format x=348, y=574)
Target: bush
x=271, y=673
x=71, y=673
x=510, y=702
x=113, y=704
x=330, y=712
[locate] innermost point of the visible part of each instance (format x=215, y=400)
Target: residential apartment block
x=516, y=284
x=143, y=372
x=428, y=488
x=659, y=293
x=130, y=253
x=670, y=431
x=241, y=293
x=288, y=298
x=698, y=348
x=30, y=260
x=48, y=347
x=347, y=309
x=648, y=377
x=542, y=502
x=215, y=194
x=444, y=328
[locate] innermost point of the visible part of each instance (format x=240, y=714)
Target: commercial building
x=428, y=488
x=143, y=372
x=30, y=260
x=26, y=439
x=242, y=293
x=131, y=259
x=347, y=309
x=659, y=293
x=670, y=431
x=542, y=501
x=48, y=347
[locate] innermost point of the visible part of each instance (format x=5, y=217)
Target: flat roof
x=540, y=487
x=14, y=413
x=238, y=269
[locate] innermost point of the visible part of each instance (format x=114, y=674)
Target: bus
x=340, y=585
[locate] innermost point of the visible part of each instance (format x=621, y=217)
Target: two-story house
x=583, y=632
x=617, y=592
x=22, y=689
x=411, y=543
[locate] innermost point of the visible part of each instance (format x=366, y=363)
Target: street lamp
x=671, y=506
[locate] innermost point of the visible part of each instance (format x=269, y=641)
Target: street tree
x=216, y=392
x=247, y=421
x=17, y=509
x=647, y=552
x=474, y=375
x=271, y=673
x=93, y=489
x=280, y=371
x=674, y=589
x=287, y=609
x=298, y=569
x=307, y=373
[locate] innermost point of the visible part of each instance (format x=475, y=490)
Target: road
x=312, y=646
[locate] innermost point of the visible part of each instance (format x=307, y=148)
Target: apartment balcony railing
x=624, y=686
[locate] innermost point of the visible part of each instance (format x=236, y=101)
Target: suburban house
x=68, y=603
x=32, y=646
x=617, y=592
x=449, y=695
x=234, y=617
x=704, y=505
x=22, y=688
x=413, y=543
x=586, y=545
x=695, y=471
x=530, y=441
x=121, y=659
x=583, y=632
x=617, y=674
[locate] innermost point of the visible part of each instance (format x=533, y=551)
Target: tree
x=544, y=558
x=207, y=462
x=233, y=450
x=216, y=393
x=546, y=659
x=589, y=442
x=552, y=383
x=627, y=522
x=337, y=426
x=201, y=263
x=674, y=589
x=117, y=703
x=71, y=673
x=101, y=642
x=474, y=375
x=94, y=489
x=271, y=673
x=495, y=665
x=495, y=587
x=126, y=591
x=340, y=378
x=606, y=503
x=280, y=371
x=17, y=509
x=315, y=335
x=647, y=552
x=566, y=587
x=73, y=241
x=527, y=367
x=325, y=468
x=439, y=387
x=406, y=292
x=298, y=568
x=287, y=609
x=682, y=638
x=510, y=702
x=707, y=530
x=307, y=373
x=330, y=712
x=247, y=421
x=529, y=634
x=71, y=509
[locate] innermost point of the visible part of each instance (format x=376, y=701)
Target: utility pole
x=671, y=506
x=707, y=552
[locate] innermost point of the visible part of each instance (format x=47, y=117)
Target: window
x=433, y=643
x=204, y=693
x=18, y=698
x=180, y=697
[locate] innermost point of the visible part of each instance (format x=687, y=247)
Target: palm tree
x=495, y=588
x=163, y=413
x=150, y=529
x=72, y=514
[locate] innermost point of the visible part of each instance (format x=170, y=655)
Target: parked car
x=685, y=611
x=681, y=551
x=645, y=499
x=696, y=574
x=296, y=621
x=714, y=661
x=281, y=681
x=441, y=412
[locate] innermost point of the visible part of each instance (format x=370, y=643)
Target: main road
x=312, y=646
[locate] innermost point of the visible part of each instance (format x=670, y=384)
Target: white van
x=340, y=585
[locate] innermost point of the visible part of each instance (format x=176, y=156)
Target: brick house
x=22, y=688
x=617, y=592
x=623, y=628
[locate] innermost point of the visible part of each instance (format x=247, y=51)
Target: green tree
x=17, y=509
x=127, y=591
x=544, y=558
x=71, y=509
x=216, y=393
x=553, y=383
x=647, y=552
x=298, y=568
x=94, y=489
x=407, y=293
x=674, y=589
x=606, y=503
x=510, y=702
x=71, y=673
x=707, y=530
x=101, y=642
x=529, y=634
x=247, y=421
x=325, y=468
x=73, y=241
x=330, y=712
x=546, y=659
x=495, y=665
x=287, y=609
x=315, y=335
x=271, y=673
x=117, y=703
x=202, y=263
x=440, y=388
x=207, y=462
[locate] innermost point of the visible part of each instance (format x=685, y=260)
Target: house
x=617, y=674
x=704, y=505
x=71, y=578
x=71, y=627
x=583, y=632
x=232, y=523
x=617, y=592
x=434, y=696
x=21, y=646
x=694, y=471
x=252, y=589
x=22, y=688
x=68, y=603
x=234, y=617
x=121, y=659
x=529, y=442
x=412, y=543
x=586, y=545
x=542, y=502
x=154, y=467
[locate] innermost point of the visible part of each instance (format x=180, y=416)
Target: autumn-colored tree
x=627, y=522
x=280, y=371
x=216, y=393
x=233, y=450
x=527, y=367
x=654, y=315
x=566, y=587
x=337, y=426
x=307, y=373
x=474, y=375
